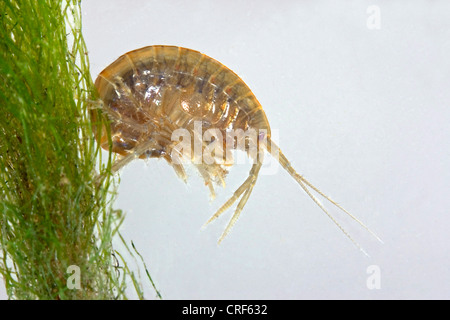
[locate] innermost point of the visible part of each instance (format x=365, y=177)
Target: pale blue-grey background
x=362, y=113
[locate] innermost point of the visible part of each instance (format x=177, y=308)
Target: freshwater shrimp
x=150, y=93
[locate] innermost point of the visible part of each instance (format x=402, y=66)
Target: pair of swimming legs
x=243, y=192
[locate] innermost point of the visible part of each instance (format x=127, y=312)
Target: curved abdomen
x=158, y=89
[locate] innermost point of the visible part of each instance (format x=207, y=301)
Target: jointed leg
x=205, y=175
x=177, y=167
x=238, y=210
x=134, y=154
x=244, y=190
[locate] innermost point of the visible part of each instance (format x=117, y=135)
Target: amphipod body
x=157, y=94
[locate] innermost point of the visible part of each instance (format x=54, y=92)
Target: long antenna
x=276, y=152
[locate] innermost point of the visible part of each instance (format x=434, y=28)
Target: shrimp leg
x=244, y=190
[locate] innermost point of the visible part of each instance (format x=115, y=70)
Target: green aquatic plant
x=56, y=217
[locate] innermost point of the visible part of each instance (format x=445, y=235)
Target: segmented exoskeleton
x=150, y=93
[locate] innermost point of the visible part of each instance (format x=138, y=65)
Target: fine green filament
x=52, y=213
